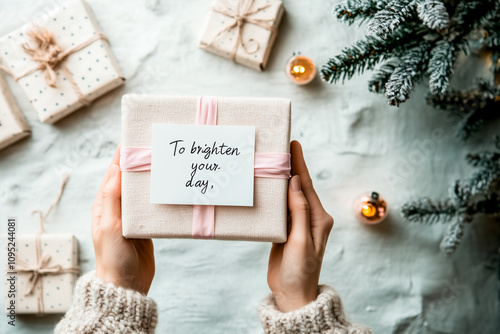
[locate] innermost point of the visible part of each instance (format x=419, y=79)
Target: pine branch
x=433, y=14
x=411, y=69
x=478, y=196
x=366, y=54
x=454, y=234
x=379, y=80
x=427, y=211
x=461, y=194
x=351, y=10
x=487, y=110
x=474, y=106
x=470, y=15
x=441, y=66
x=457, y=101
x=390, y=18
x=489, y=172
x=485, y=106
x=491, y=34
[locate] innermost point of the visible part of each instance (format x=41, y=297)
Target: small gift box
x=13, y=125
x=46, y=272
x=62, y=63
x=205, y=167
x=243, y=30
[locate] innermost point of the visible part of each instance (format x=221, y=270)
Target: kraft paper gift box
x=79, y=78
x=249, y=45
x=266, y=220
x=54, y=290
x=13, y=125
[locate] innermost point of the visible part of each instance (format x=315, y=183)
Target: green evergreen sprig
x=478, y=195
x=397, y=27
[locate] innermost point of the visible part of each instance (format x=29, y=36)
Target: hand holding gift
x=128, y=263
x=294, y=266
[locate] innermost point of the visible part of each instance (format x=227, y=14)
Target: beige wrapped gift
x=13, y=125
x=265, y=221
x=82, y=69
x=243, y=30
x=52, y=292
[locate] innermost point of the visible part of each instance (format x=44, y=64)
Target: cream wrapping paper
x=13, y=125
x=223, y=44
x=57, y=288
x=94, y=68
x=265, y=221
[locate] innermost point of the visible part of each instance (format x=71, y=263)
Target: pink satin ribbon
x=203, y=226
x=270, y=165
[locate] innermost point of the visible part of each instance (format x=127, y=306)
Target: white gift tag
x=202, y=164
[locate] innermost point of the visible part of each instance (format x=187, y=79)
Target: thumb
x=299, y=210
x=111, y=197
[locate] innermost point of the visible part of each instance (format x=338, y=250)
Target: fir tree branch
x=489, y=172
x=460, y=102
x=478, y=196
x=470, y=15
x=427, y=211
x=433, y=14
x=443, y=57
x=454, y=234
x=390, y=18
x=411, y=69
x=487, y=110
x=366, y=54
x=351, y=10
x=379, y=79
x=491, y=34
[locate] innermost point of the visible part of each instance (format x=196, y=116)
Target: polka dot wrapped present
x=62, y=62
x=13, y=125
x=242, y=31
x=50, y=289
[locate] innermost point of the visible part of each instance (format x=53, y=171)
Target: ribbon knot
x=46, y=52
x=41, y=268
x=241, y=13
x=49, y=55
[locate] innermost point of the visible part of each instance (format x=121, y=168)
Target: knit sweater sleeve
x=324, y=315
x=99, y=307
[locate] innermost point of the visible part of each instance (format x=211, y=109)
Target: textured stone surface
x=391, y=276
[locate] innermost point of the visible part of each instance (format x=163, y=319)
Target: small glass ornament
x=370, y=208
x=300, y=69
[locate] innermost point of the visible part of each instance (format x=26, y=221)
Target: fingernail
x=296, y=183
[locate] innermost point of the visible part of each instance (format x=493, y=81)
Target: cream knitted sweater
x=104, y=308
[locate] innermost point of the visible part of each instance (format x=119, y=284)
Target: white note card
x=202, y=164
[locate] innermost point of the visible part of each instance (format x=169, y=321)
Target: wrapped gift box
x=57, y=289
x=266, y=220
x=13, y=125
x=217, y=37
x=94, y=69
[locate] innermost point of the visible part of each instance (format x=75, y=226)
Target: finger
x=115, y=161
x=300, y=229
x=97, y=205
x=111, y=201
x=299, y=168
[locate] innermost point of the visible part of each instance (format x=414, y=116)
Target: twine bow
x=241, y=13
x=49, y=55
x=42, y=267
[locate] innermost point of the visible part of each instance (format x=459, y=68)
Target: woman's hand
x=294, y=266
x=128, y=263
